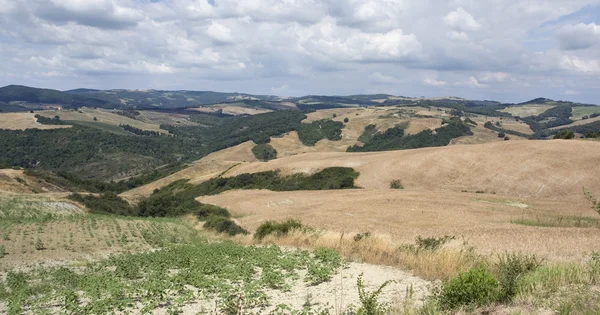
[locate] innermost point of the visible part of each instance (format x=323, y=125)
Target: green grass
x=574, y=221
x=581, y=111
x=232, y=275
x=17, y=208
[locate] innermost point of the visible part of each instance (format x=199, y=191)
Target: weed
x=595, y=202
x=432, y=243
x=360, y=236
x=2, y=251
x=511, y=267
x=369, y=300
x=39, y=245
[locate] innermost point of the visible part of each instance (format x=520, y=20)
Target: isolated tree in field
x=346, y=120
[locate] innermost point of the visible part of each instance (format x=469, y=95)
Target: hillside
x=35, y=98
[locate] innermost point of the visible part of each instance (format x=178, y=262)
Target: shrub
x=223, y=225
x=595, y=202
x=565, y=134
x=510, y=269
x=506, y=138
x=2, y=251
x=501, y=135
x=474, y=287
x=396, y=184
x=279, y=229
x=346, y=120
x=206, y=210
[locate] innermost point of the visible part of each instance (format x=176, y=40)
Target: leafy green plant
x=277, y=228
x=369, y=300
x=396, y=184
x=476, y=287
x=511, y=267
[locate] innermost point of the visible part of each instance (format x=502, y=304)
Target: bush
x=223, y=225
x=510, y=269
x=501, y=135
x=506, y=138
x=432, y=243
x=205, y=211
x=39, y=245
x=2, y=251
x=279, y=229
x=396, y=184
x=361, y=236
x=476, y=287
x=369, y=303
x=346, y=120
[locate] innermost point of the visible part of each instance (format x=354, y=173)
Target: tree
x=501, y=135
x=346, y=120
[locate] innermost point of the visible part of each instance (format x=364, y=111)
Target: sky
x=506, y=50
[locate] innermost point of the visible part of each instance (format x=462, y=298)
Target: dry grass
x=231, y=109
x=551, y=169
x=527, y=110
x=15, y=181
x=579, y=123
x=482, y=220
x=102, y=116
x=22, y=121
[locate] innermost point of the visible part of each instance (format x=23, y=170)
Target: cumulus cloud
x=461, y=20
x=308, y=46
x=578, y=36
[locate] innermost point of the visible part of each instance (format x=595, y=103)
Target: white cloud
x=461, y=20
x=471, y=48
x=433, y=82
x=578, y=36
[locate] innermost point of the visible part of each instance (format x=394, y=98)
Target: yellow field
x=508, y=195
x=231, y=109
x=22, y=121
x=102, y=116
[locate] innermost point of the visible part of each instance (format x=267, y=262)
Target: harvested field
x=579, y=123
x=580, y=111
x=231, y=109
x=527, y=110
x=22, y=121
x=482, y=220
x=540, y=169
x=102, y=116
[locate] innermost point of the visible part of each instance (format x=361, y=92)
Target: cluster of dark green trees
x=394, y=138
x=311, y=133
x=264, y=152
x=139, y=132
x=500, y=130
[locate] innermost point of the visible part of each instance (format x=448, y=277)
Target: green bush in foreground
x=511, y=267
x=369, y=303
x=476, y=287
x=223, y=225
x=279, y=229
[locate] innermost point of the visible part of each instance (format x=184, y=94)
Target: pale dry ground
x=201, y=170
x=159, y=118
x=483, y=135
x=339, y=293
x=540, y=169
x=102, y=116
x=231, y=109
x=482, y=220
x=579, y=123
x=22, y=121
x=527, y=110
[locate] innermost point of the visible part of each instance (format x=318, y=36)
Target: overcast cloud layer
x=506, y=50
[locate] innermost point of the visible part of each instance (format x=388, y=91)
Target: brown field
x=14, y=181
x=527, y=110
x=482, y=220
x=206, y=168
x=530, y=192
x=22, y=121
x=102, y=116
